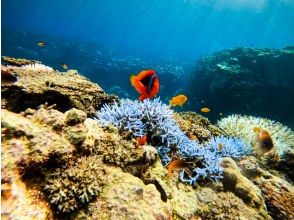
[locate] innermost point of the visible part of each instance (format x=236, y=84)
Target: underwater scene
x=158, y=109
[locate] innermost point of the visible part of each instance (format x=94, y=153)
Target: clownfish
x=178, y=100
x=146, y=83
x=263, y=139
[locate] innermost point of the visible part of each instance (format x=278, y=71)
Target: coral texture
x=242, y=127
x=155, y=119
x=18, y=62
x=277, y=192
x=37, y=84
x=196, y=126
x=69, y=189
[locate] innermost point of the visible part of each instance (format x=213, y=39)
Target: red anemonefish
x=146, y=83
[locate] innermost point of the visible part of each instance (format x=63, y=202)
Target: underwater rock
x=74, y=116
x=224, y=205
x=277, y=192
x=37, y=84
x=248, y=81
x=126, y=197
x=20, y=200
x=242, y=187
x=29, y=145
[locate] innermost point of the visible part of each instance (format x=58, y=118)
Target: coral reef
x=18, y=201
x=37, y=84
x=69, y=189
x=30, y=145
x=242, y=127
x=196, y=127
x=155, y=119
x=17, y=61
x=261, y=76
x=56, y=163
x=235, y=182
x=127, y=197
x=277, y=192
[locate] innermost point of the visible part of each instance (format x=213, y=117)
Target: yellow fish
x=178, y=100
x=41, y=44
x=64, y=66
x=205, y=110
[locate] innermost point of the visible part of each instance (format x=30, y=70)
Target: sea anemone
x=242, y=127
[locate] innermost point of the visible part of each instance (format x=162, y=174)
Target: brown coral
x=277, y=192
x=17, y=61
x=242, y=187
x=36, y=86
x=196, y=126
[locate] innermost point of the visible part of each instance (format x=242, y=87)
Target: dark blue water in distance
x=108, y=40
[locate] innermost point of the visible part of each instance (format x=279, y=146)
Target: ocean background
x=108, y=40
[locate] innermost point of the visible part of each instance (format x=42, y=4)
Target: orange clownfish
x=264, y=140
x=146, y=83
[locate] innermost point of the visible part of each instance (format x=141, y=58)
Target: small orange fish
x=146, y=83
x=41, y=44
x=264, y=140
x=175, y=165
x=205, y=110
x=178, y=100
x=141, y=140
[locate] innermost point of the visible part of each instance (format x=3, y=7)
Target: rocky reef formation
x=35, y=84
x=58, y=163
x=247, y=81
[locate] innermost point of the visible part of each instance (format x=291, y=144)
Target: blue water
x=108, y=40
x=181, y=29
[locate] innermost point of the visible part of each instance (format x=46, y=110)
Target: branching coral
x=69, y=189
x=147, y=117
x=155, y=119
x=242, y=127
x=211, y=153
